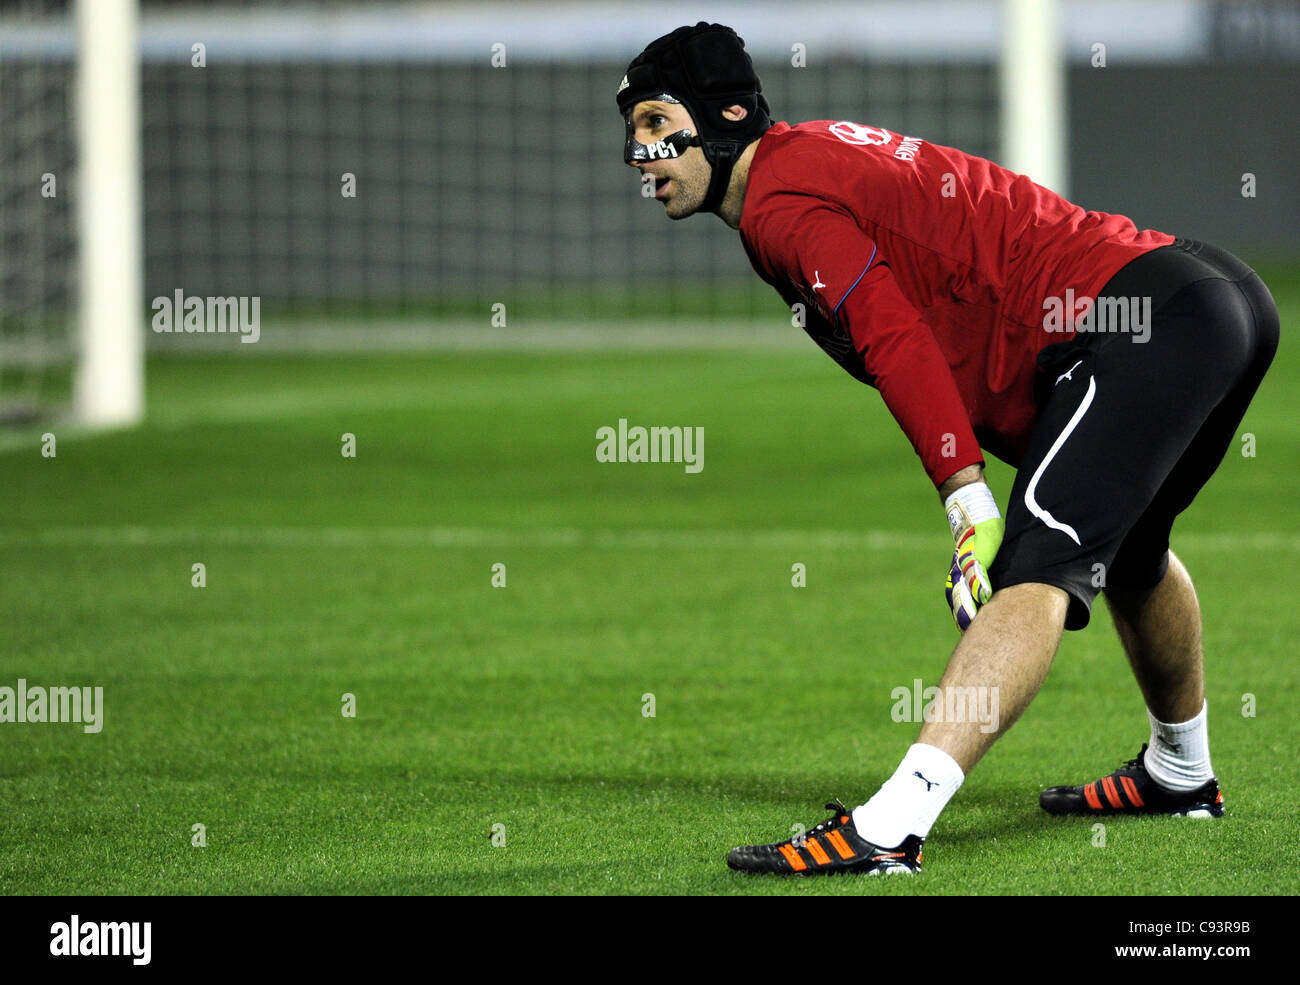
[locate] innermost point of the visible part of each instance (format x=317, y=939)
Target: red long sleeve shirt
x=924, y=272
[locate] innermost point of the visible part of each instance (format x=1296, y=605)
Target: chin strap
x=725, y=156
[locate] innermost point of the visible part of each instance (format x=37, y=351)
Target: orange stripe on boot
x=1131, y=789
x=840, y=845
x=817, y=852
x=794, y=858
x=1112, y=794
x=1090, y=795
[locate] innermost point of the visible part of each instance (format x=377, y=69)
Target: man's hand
x=977, y=529
x=958, y=595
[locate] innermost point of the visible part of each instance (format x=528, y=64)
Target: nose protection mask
x=674, y=145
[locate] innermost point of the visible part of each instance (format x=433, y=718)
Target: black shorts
x=1129, y=430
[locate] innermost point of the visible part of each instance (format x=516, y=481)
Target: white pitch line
x=437, y=335
x=611, y=539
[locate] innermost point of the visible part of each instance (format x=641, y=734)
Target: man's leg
x=1161, y=632
x=1160, y=628
x=1007, y=650
x=1004, y=656
x=1213, y=332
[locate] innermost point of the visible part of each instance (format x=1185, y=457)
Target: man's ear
x=735, y=112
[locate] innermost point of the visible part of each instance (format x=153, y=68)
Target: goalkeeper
x=1110, y=365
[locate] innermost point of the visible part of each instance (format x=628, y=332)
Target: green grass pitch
x=519, y=710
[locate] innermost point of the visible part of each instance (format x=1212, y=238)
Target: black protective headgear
x=706, y=69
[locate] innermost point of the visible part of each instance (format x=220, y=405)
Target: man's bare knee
x=1034, y=597
x=1126, y=604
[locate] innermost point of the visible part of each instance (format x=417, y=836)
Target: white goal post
x=1032, y=79
x=108, y=388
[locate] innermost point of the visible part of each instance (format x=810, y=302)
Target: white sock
x=1178, y=756
x=908, y=804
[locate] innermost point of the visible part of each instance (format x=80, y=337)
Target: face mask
x=672, y=146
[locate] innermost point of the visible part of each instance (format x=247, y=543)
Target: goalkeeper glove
x=977, y=529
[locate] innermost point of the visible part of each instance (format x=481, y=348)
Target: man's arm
x=817, y=248
x=901, y=354
x=971, y=473
x=903, y=358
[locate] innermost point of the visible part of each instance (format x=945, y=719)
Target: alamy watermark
x=1128, y=316
x=946, y=704
x=198, y=315
x=102, y=938
x=25, y=705
x=684, y=445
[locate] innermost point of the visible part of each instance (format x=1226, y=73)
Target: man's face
x=682, y=182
